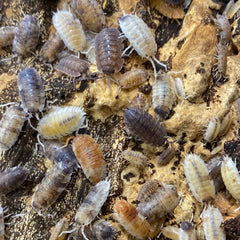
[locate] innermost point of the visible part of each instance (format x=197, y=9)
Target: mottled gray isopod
x=103, y=230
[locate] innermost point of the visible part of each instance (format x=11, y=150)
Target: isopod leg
x=123, y=53
x=158, y=62
x=154, y=67
x=82, y=231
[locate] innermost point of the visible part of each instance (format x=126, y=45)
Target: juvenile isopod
x=212, y=219
x=103, y=230
x=6, y=35
x=51, y=48
x=26, y=36
x=90, y=14
x=179, y=90
x=231, y=177
x=131, y=220
x=31, y=90
x=70, y=30
x=90, y=157
x=141, y=125
x=198, y=178
x=212, y=130
x=61, y=121
x=10, y=127
x=52, y=185
x=61, y=226
x=12, y=178
x=225, y=124
x=166, y=156
x=140, y=102
x=163, y=96
x=140, y=38
x=225, y=29
x=72, y=66
x=2, y=227
x=156, y=199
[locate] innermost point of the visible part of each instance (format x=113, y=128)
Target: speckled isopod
x=198, y=178
x=103, y=230
x=212, y=130
x=6, y=35
x=61, y=121
x=90, y=157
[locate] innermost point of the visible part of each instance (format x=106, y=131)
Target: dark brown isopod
x=108, y=51
x=232, y=227
x=26, y=36
x=166, y=156
x=31, y=90
x=72, y=66
x=11, y=178
x=141, y=125
x=7, y=35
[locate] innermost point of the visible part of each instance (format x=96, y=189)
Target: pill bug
x=61, y=226
x=198, y=178
x=187, y=232
x=90, y=14
x=140, y=38
x=141, y=125
x=212, y=130
x=31, y=90
x=70, y=30
x=225, y=29
x=232, y=227
x=127, y=215
x=6, y=35
x=92, y=204
x=231, y=177
x=166, y=156
x=140, y=102
x=108, y=50
x=12, y=178
x=156, y=199
x=10, y=127
x=61, y=121
x=51, y=48
x=103, y=230
x=72, y=66
x=2, y=227
x=163, y=96
x=90, y=157
x=26, y=36
x=225, y=124
x=212, y=219
x=52, y=185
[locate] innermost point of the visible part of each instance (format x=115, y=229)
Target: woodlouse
x=163, y=96
x=70, y=30
x=198, y=178
x=156, y=199
x=130, y=219
x=141, y=125
x=225, y=124
x=90, y=157
x=12, y=178
x=31, y=90
x=52, y=47
x=231, y=177
x=140, y=38
x=61, y=121
x=187, y=232
x=179, y=90
x=10, y=127
x=212, y=219
x=166, y=156
x=52, y=185
x=90, y=14
x=140, y=102
x=103, y=230
x=2, y=227
x=6, y=35
x=61, y=226
x=225, y=29
x=26, y=36
x=212, y=130
x=72, y=66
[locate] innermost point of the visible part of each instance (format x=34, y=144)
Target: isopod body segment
x=6, y=35
x=90, y=157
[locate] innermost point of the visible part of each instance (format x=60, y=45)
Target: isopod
x=26, y=36
x=70, y=30
x=51, y=48
x=31, y=90
x=140, y=38
x=141, y=125
x=92, y=204
x=225, y=124
x=179, y=90
x=61, y=121
x=232, y=227
x=6, y=35
x=156, y=199
x=187, y=232
x=72, y=66
x=212, y=219
x=198, y=178
x=163, y=96
x=12, y=178
x=90, y=14
x=131, y=220
x=61, y=226
x=166, y=156
x=90, y=157
x=140, y=102
x=10, y=127
x=103, y=230
x=231, y=177
x=52, y=185
x=212, y=130
x=225, y=29
x=2, y=227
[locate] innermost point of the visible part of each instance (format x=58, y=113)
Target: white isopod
x=231, y=177
x=179, y=90
x=140, y=38
x=212, y=130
